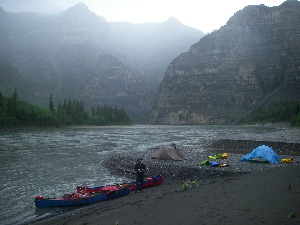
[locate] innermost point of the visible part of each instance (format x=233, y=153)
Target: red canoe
x=148, y=182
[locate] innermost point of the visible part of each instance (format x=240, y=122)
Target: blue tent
x=262, y=151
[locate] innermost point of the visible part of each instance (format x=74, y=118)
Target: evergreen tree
x=93, y=111
x=1, y=102
x=12, y=104
x=51, y=105
x=18, y=113
x=297, y=111
x=64, y=108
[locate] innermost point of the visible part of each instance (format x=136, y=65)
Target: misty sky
x=203, y=15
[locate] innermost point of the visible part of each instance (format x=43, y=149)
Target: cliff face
x=252, y=60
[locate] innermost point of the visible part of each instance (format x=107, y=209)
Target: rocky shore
x=285, y=143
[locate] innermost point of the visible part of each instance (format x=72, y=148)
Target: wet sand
x=244, y=193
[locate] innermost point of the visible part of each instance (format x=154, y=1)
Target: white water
x=52, y=162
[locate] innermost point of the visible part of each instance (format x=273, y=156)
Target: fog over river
x=52, y=162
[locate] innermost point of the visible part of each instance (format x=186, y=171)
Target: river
x=52, y=162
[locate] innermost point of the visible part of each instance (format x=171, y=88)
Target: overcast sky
x=203, y=15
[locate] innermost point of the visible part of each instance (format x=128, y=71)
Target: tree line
x=16, y=113
x=285, y=112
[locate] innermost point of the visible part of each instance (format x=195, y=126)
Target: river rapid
x=52, y=162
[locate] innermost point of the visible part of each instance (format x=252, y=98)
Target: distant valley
x=79, y=55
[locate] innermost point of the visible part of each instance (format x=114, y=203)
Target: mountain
x=252, y=61
x=11, y=79
x=78, y=54
x=81, y=15
x=151, y=47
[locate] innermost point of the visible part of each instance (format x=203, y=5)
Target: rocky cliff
x=253, y=60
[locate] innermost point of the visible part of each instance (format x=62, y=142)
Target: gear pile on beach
x=285, y=143
x=188, y=169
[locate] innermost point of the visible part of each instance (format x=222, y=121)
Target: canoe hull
x=148, y=182
x=87, y=195
x=78, y=200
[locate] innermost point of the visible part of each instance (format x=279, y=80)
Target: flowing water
x=52, y=162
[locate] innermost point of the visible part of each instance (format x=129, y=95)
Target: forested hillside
x=16, y=113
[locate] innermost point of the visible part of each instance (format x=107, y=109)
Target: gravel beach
x=243, y=193
x=285, y=143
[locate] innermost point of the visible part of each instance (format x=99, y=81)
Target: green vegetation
x=284, y=112
x=104, y=115
x=16, y=113
x=296, y=117
x=194, y=184
x=187, y=184
x=292, y=215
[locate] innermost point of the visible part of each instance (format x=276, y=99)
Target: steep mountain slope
x=150, y=47
x=80, y=55
x=252, y=60
x=11, y=80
